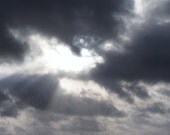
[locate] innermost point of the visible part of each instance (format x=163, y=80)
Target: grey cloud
x=166, y=92
x=72, y=105
x=21, y=91
x=8, y=107
x=83, y=125
x=145, y=58
x=62, y=18
x=138, y=90
x=162, y=9
x=43, y=92
x=9, y=47
x=3, y=97
x=116, y=87
x=155, y=108
x=34, y=90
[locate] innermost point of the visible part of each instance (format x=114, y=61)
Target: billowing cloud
x=74, y=67
x=43, y=92
x=145, y=57
x=65, y=19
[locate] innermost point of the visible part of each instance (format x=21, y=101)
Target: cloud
x=10, y=48
x=82, y=125
x=43, y=92
x=34, y=90
x=8, y=107
x=133, y=43
x=156, y=108
x=145, y=58
x=137, y=89
x=72, y=105
x=64, y=19
x=166, y=93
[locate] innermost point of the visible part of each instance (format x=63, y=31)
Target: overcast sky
x=84, y=67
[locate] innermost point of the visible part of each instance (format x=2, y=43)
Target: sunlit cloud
x=48, y=55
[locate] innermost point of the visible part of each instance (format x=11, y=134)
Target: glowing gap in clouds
x=56, y=56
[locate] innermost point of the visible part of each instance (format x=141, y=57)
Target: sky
x=84, y=67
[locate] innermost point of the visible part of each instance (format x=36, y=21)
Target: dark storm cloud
x=9, y=47
x=43, y=92
x=146, y=58
x=61, y=18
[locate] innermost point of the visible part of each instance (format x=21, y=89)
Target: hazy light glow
x=55, y=56
x=61, y=58
x=92, y=90
x=139, y=7
x=85, y=41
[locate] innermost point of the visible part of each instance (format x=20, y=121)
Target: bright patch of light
x=108, y=47
x=111, y=47
x=81, y=41
x=61, y=58
x=55, y=56
x=76, y=87
x=139, y=7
